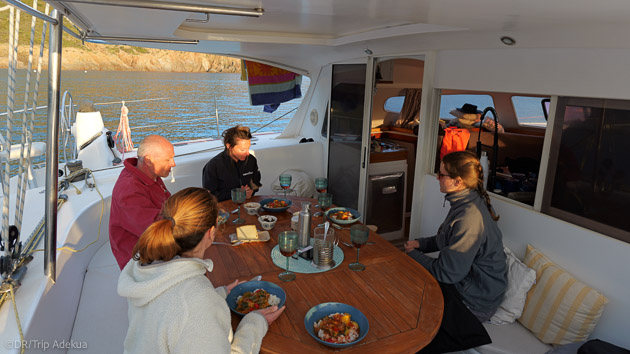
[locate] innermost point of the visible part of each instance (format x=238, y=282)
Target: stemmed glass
x=358, y=235
x=325, y=201
x=321, y=184
x=238, y=197
x=285, y=183
x=287, y=243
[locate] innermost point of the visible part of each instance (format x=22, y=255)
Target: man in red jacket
x=138, y=195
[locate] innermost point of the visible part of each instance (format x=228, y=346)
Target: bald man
x=138, y=195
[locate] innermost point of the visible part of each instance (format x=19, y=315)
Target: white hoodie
x=174, y=308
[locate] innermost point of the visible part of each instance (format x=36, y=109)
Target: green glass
x=287, y=243
x=358, y=236
x=321, y=184
x=285, y=183
x=325, y=202
x=238, y=197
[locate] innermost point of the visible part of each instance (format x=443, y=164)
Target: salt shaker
x=304, y=229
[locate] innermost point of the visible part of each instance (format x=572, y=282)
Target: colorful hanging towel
x=454, y=140
x=271, y=86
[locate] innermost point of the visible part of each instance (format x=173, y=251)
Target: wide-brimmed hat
x=469, y=108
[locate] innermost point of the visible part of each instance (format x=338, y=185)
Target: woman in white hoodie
x=173, y=307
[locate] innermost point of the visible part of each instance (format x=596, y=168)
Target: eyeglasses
x=441, y=175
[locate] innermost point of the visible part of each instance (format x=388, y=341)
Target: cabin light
x=508, y=40
x=368, y=51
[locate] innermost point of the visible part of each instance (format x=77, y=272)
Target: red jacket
x=136, y=204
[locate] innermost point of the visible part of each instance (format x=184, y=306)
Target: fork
x=228, y=244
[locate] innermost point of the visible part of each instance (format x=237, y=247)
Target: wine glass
x=238, y=197
x=285, y=183
x=321, y=184
x=287, y=243
x=358, y=235
x=325, y=201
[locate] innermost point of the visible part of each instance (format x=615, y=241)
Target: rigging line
x=24, y=160
x=275, y=119
x=132, y=101
x=14, y=26
x=176, y=122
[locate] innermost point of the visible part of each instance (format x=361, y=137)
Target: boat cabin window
x=588, y=182
x=514, y=160
x=529, y=111
x=449, y=102
x=394, y=104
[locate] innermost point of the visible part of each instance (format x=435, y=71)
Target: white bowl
x=251, y=207
x=267, y=221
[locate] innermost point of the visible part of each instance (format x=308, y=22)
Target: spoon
x=326, y=226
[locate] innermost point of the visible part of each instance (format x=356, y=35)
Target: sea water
x=178, y=106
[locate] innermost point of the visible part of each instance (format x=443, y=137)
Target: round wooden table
x=401, y=300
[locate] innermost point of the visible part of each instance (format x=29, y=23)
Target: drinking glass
x=325, y=201
x=285, y=183
x=287, y=243
x=238, y=197
x=321, y=184
x=358, y=235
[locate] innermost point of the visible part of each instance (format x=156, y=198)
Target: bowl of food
x=267, y=221
x=254, y=295
x=251, y=207
x=223, y=217
x=341, y=215
x=275, y=204
x=336, y=325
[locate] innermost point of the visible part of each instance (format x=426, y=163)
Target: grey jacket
x=471, y=253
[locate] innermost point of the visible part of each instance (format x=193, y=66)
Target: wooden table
x=401, y=300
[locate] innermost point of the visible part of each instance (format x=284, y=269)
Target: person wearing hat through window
x=468, y=116
x=465, y=117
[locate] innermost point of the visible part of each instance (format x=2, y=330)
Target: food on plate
x=255, y=300
x=247, y=232
x=342, y=215
x=337, y=328
x=267, y=218
x=276, y=203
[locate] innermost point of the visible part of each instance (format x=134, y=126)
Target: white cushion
x=512, y=338
x=301, y=183
x=520, y=280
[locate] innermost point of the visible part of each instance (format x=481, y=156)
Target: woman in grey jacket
x=471, y=267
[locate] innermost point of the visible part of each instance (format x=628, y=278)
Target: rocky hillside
x=123, y=58
x=89, y=56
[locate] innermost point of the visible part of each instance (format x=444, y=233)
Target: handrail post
x=52, y=146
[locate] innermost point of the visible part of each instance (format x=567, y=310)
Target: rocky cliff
x=124, y=58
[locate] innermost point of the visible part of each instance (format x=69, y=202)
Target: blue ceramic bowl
x=242, y=288
x=320, y=311
x=355, y=215
x=264, y=202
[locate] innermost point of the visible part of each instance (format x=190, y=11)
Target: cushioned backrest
x=559, y=308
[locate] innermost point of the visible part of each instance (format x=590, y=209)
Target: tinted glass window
x=591, y=186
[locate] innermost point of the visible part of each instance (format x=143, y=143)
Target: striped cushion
x=559, y=308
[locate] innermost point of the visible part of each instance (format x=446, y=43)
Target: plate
x=355, y=215
x=263, y=236
x=242, y=288
x=320, y=311
x=223, y=217
x=264, y=202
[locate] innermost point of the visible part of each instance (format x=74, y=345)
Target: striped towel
x=271, y=86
